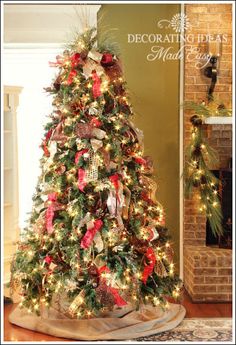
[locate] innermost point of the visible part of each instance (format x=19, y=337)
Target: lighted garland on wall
x=198, y=155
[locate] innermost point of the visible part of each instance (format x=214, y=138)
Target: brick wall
x=220, y=138
x=208, y=274
x=208, y=271
x=207, y=19
x=210, y=19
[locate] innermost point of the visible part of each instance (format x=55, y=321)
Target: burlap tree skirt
x=122, y=324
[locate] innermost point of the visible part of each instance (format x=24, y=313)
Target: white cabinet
x=11, y=203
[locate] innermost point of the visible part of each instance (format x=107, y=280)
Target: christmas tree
x=96, y=238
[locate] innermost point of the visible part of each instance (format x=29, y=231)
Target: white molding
x=30, y=50
x=219, y=120
x=53, y=8
x=44, y=22
x=32, y=46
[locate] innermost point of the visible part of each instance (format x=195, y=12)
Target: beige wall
x=154, y=90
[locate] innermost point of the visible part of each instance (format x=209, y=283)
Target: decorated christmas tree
x=96, y=239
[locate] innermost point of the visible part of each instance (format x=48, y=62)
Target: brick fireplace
x=208, y=269
x=208, y=273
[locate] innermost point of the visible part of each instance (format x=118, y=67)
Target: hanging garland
x=196, y=172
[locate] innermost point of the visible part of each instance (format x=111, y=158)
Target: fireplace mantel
x=219, y=120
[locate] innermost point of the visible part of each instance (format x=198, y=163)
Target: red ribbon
x=48, y=259
x=81, y=179
x=48, y=135
x=119, y=301
x=150, y=255
x=45, y=142
x=71, y=76
x=103, y=269
x=90, y=233
x=115, y=181
x=140, y=160
x=50, y=212
x=95, y=122
x=96, y=85
x=145, y=197
x=151, y=234
x=45, y=149
x=75, y=60
x=59, y=61
x=79, y=154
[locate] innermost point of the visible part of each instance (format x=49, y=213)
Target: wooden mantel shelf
x=219, y=120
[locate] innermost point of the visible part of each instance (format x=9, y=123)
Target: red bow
x=90, y=233
x=150, y=255
x=96, y=85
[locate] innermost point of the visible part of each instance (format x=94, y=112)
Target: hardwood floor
x=15, y=333
x=206, y=309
